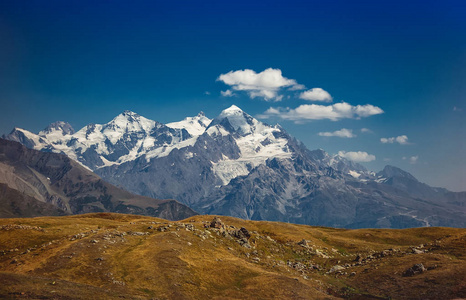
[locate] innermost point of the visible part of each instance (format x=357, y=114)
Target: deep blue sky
x=86, y=61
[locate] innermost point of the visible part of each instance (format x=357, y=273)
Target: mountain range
x=238, y=166
x=35, y=183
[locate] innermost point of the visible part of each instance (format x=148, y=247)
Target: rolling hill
x=115, y=256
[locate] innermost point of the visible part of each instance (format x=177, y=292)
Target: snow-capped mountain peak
x=194, y=125
x=235, y=119
x=236, y=165
x=256, y=141
x=130, y=122
x=64, y=127
x=56, y=131
x=129, y=136
x=232, y=110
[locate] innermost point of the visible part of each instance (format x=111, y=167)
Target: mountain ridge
x=48, y=180
x=239, y=166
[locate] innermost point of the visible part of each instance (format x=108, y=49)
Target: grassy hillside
x=110, y=256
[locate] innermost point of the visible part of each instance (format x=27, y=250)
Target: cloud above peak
x=412, y=160
x=227, y=93
x=343, y=133
x=359, y=156
x=402, y=140
x=333, y=112
x=265, y=84
x=316, y=94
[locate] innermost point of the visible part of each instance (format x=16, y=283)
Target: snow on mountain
x=56, y=131
x=125, y=138
x=354, y=174
x=127, y=122
x=238, y=119
x=236, y=165
x=28, y=138
x=194, y=125
x=130, y=136
x=257, y=143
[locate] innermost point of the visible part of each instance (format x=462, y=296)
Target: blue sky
x=87, y=61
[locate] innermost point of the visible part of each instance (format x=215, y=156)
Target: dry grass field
x=115, y=256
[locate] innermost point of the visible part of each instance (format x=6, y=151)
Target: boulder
x=241, y=233
x=216, y=223
x=303, y=243
x=336, y=268
x=416, y=269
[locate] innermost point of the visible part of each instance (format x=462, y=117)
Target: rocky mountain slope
x=236, y=165
x=34, y=183
x=112, y=256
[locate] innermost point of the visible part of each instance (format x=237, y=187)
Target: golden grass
x=120, y=256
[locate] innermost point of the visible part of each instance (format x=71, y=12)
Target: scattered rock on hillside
x=416, y=269
x=321, y=254
x=304, y=243
x=242, y=233
x=15, y=226
x=216, y=223
x=416, y=250
x=336, y=268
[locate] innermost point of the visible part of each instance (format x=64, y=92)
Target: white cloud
x=316, y=94
x=358, y=156
x=227, y=93
x=265, y=84
x=402, y=140
x=387, y=140
x=366, y=130
x=297, y=87
x=266, y=94
x=412, y=159
x=343, y=133
x=332, y=112
x=207, y=93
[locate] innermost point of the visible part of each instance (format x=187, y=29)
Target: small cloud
x=227, y=93
x=332, y=112
x=343, y=133
x=366, y=130
x=297, y=87
x=316, y=94
x=265, y=84
x=413, y=159
x=359, y=156
x=457, y=108
x=386, y=159
x=402, y=140
x=207, y=93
